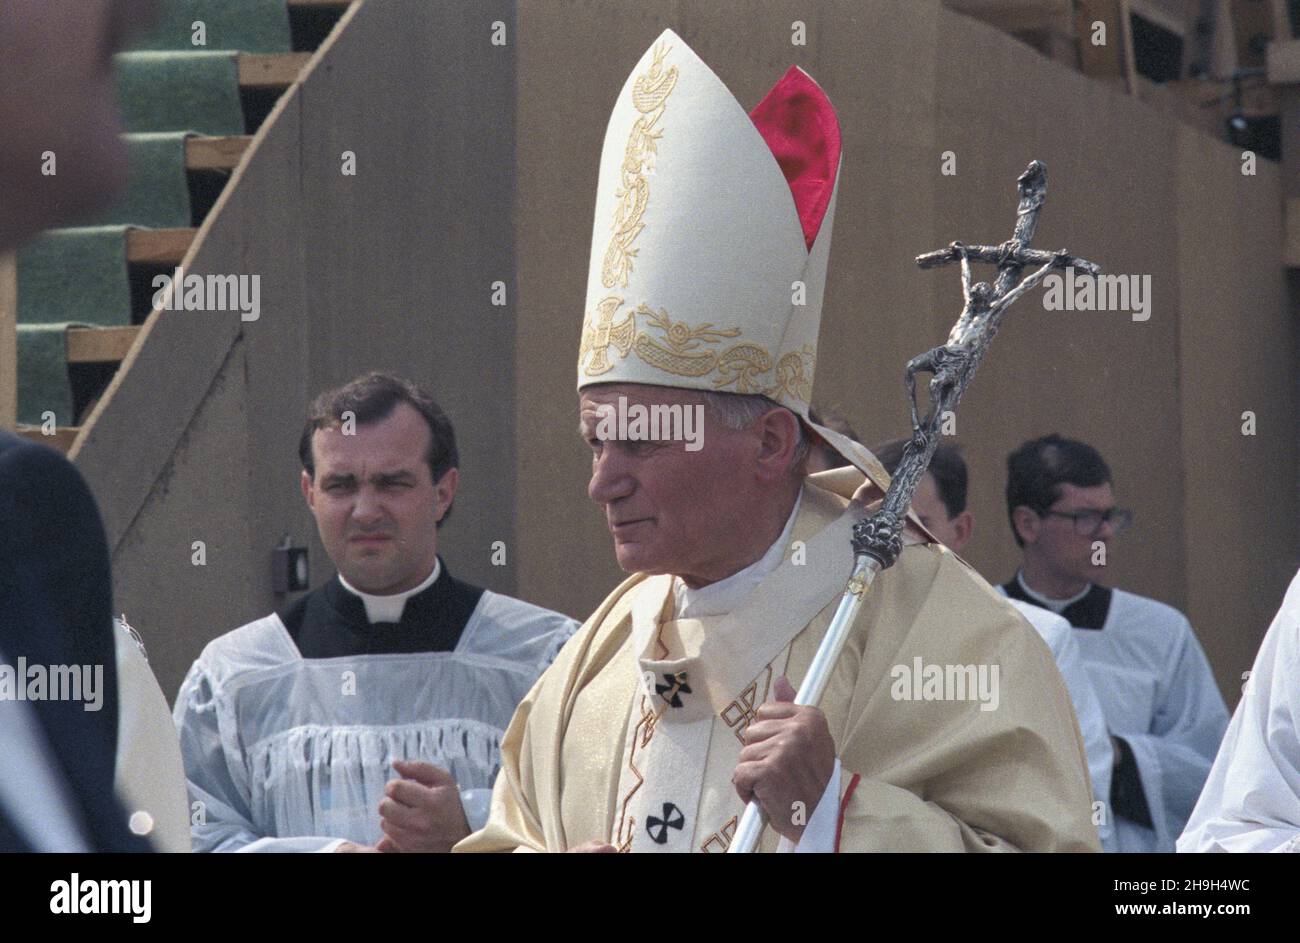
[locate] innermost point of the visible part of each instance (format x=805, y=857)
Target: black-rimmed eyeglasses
x=1087, y=523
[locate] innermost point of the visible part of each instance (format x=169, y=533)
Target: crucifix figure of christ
x=952, y=364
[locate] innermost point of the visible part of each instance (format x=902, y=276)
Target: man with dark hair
x=369, y=714
x=940, y=503
x=1165, y=713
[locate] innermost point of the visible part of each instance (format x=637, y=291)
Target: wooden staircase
x=153, y=250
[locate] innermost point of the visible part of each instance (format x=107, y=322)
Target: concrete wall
x=478, y=163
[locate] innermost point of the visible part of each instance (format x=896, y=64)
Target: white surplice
x=1160, y=697
x=285, y=753
x=1058, y=635
x=1251, y=802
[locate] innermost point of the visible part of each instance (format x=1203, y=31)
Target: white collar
x=1056, y=605
x=722, y=597
x=389, y=608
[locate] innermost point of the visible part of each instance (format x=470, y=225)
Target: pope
x=672, y=706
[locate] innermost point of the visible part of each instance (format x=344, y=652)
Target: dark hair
x=947, y=466
x=372, y=398
x=1037, y=469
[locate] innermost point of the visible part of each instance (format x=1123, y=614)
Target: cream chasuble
x=632, y=736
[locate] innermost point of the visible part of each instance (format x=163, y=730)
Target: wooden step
x=61, y=440
x=158, y=246
x=271, y=70
x=100, y=344
x=215, y=153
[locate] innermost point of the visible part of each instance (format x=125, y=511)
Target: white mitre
x=708, y=256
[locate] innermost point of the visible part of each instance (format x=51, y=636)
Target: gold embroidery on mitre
x=649, y=94
x=681, y=356
x=741, y=366
x=793, y=378
x=678, y=349
x=600, y=333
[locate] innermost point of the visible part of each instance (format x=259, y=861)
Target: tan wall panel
x=176, y=605
x=1097, y=376
x=1235, y=355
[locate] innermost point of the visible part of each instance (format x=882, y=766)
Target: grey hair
x=740, y=411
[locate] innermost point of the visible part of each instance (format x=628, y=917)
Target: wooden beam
x=215, y=153
x=1215, y=98
x=1284, y=62
x=8, y=339
x=1103, y=62
x=1014, y=16
x=100, y=344
x=61, y=440
x=271, y=71
x=1293, y=232
x=1129, y=59
x=157, y=246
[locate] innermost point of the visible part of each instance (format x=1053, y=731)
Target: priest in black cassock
x=369, y=714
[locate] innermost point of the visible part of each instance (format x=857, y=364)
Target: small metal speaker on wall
x=289, y=570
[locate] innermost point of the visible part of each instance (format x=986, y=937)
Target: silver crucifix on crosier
x=878, y=538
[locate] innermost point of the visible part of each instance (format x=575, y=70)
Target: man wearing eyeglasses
x=1164, y=710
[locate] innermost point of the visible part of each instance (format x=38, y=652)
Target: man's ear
x=445, y=491
x=778, y=436
x=308, y=490
x=1026, y=523
x=963, y=525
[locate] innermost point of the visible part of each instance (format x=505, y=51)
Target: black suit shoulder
x=56, y=608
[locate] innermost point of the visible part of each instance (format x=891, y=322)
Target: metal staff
x=878, y=539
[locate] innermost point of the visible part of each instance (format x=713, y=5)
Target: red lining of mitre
x=798, y=122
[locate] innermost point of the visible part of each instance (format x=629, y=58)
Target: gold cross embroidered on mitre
x=600, y=333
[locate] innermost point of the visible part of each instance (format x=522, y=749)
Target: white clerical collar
x=1047, y=602
x=719, y=598
x=389, y=608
